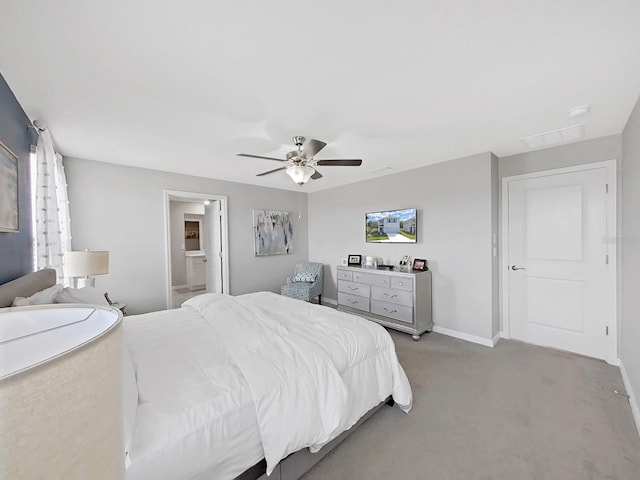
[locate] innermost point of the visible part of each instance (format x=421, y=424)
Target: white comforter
x=307, y=372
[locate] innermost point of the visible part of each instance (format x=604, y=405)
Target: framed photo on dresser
x=354, y=260
x=420, y=265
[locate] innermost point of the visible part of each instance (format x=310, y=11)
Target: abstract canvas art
x=272, y=232
x=8, y=190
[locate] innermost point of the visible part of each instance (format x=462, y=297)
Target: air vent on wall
x=555, y=137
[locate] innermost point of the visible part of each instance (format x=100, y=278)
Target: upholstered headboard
x=26, y=286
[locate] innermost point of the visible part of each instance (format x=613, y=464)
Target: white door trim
x=168, y=194
x=610, y=167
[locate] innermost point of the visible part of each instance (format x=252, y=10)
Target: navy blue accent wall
x=16, y=248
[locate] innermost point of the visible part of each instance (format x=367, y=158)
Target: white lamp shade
x=300, y=173
x=87, y=262
x=61, y=393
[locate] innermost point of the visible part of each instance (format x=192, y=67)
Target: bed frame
x=26, y=286
x=296, y=464
x=290, y=468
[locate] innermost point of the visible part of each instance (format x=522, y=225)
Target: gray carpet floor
x=512, y=412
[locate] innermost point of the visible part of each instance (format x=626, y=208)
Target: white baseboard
x=495, y=339
x=329, y=301
x=465, y=336
x=632, y=398
x=176, y=287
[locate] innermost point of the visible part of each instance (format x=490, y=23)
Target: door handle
x=513, y=267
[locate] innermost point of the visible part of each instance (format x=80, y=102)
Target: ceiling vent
x=555, y=137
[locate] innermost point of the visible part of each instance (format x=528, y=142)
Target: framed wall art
x=272, y=233
x=8, y=190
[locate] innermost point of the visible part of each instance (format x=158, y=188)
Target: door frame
x=224, y=234
x=610, y=167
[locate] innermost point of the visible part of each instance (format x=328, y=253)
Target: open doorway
x=196, y=246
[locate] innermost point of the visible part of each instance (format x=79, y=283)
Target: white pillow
x=42, y=297
x=130, y=403
x=88, y=295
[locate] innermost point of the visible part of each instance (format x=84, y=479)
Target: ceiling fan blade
x=316, y=175
x=270, y=171
x=259, y=156
x=342, y=162
x=311, y=147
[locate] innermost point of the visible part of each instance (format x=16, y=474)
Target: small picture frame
x=420, y=264
x=354, y=260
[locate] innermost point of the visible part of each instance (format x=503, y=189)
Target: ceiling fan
x=300, y=164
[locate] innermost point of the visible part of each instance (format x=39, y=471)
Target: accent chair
x=306, y=283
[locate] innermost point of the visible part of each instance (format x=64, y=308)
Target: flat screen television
x=391, y=226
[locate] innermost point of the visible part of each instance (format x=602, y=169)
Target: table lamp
x=83, y=265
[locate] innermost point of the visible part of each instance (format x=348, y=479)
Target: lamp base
x=81, y=282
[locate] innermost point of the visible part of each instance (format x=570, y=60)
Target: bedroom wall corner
x=629, y=243
x=16, y=251
x=454, y=203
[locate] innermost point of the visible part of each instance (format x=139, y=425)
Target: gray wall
x=121, y=209
x=454, y=234
x=16, y=248
x=630, y=244
x=596, y=150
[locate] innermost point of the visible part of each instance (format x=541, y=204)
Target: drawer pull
x=353, y=289
x=400, y=283
x=389, y=311
x=390, y=296
x=353, y=302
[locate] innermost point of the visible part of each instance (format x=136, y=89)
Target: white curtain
x=52, y=225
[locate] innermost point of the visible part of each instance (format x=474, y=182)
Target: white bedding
x=225, y=381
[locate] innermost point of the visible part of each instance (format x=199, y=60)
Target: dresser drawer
x=371, y=279
x=398, y=312
x=402, y=283
x=353, y=288
x=353, y=301
x=402, y=297
x=344, y=275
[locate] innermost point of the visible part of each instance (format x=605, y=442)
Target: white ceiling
x=184, y=85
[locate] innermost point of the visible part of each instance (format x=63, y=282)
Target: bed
x=239, y=387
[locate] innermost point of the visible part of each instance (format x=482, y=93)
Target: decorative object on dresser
x=354, y=260
x=395, y=299
x=8, y=190
x=272, y=232
x=306, y=284
x=420, y=265
x=61, y=393
x=83, y=265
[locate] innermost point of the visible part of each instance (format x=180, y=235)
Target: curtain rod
x=38, y=126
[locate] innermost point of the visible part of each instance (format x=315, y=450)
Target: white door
x=561, y=290
x=213, y=247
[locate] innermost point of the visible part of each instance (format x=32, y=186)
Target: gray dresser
x=397, y=300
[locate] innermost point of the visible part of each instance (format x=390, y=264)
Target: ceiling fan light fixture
x=300, y=173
